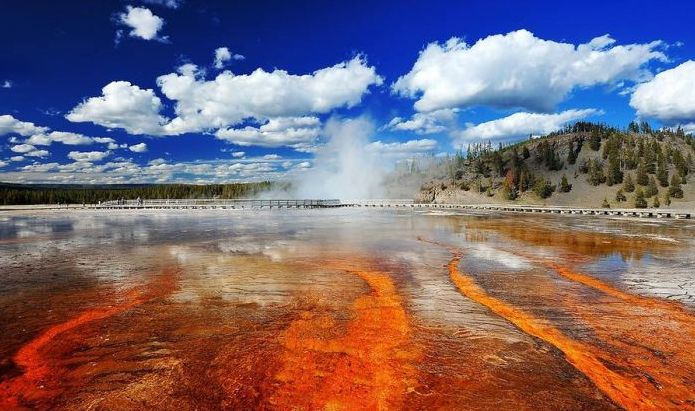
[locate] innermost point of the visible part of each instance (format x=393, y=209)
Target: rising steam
x=344, y=168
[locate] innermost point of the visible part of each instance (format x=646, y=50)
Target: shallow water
x=345, y=309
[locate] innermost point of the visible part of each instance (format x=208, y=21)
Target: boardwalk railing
x=211, y=203
x=384, y=203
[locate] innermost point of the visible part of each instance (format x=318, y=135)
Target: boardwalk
x=385, y=203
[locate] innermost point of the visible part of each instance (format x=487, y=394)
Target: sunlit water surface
x=345, y=309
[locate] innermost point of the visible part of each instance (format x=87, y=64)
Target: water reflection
x=344, y=309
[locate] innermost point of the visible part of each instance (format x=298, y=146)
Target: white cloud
x=71, y=139
x=6, y=84
x=138, y=148
x=142, y=22
x=122, y=105
x=669, y=96
x=223, y=55
x=172, y=4
x=425, y=123
x=238, y=154
x=522, y=124
x=88, y=156
x=519, y=70
x=28, y=150
x=23, y=148
x=229, y=98
x=277, y=132
x=272, y=157
x=37, y=153
x=3, y=163
x=10, y=125
x=399, y=149
x=17, y=158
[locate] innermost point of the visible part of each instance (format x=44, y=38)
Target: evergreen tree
x=525, y=153
x=543, y=188
x=652, y=189
x=642, y=176
x=661, y=171
x=564, y=187
x=640, y=201
x=596, y=175
x=675, y=190
x=614, y=175
x=595, y=141
x=605, y=203
x=656, y=203
x=571, y=155
x=628, y=184
x=620, y=196
x=667, y=199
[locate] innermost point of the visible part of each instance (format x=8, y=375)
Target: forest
x=15, y=194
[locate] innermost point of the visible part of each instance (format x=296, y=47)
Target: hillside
x=597, y=163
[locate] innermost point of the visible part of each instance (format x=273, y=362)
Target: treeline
x=12, y=194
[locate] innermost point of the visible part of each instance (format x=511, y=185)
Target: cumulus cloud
x=519, y=69
x=17, y=158
x=23, y=148
x=407, y=148
x=10, y=125
x=263, y=97
x=142, y=23
x=229, y=98
x=424, y=123
x=67, y=138
x=6, y=84
x=88, y=156
x=669, y=96
x=3, y=163
x=122, y=105
x=521, y=124
x=223, y=55
x=238, y=154
x=29, y=150
x=138, y=148
x=297, y=132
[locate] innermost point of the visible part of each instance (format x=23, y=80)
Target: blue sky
x=131, y=91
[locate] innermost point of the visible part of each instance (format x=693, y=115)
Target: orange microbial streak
x=624, y=391
x=40, y=378
x=370, y=364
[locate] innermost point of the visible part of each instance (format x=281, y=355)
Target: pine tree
x=614, y=175
x=564, y=187
x=595, y=141
x=667, y=199
x=656, y=203
x=596, y=175
x=652, y=189
x=675, y=190
x=628, y=185
x=620, y=196
x=605, y=203
x=642, y=176
x=640, y=202
x=661, y=171
x=525, y=153
x=571, y=156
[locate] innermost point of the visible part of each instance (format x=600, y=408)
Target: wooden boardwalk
x=205, y=204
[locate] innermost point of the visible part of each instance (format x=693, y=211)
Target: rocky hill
x=586, y=164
